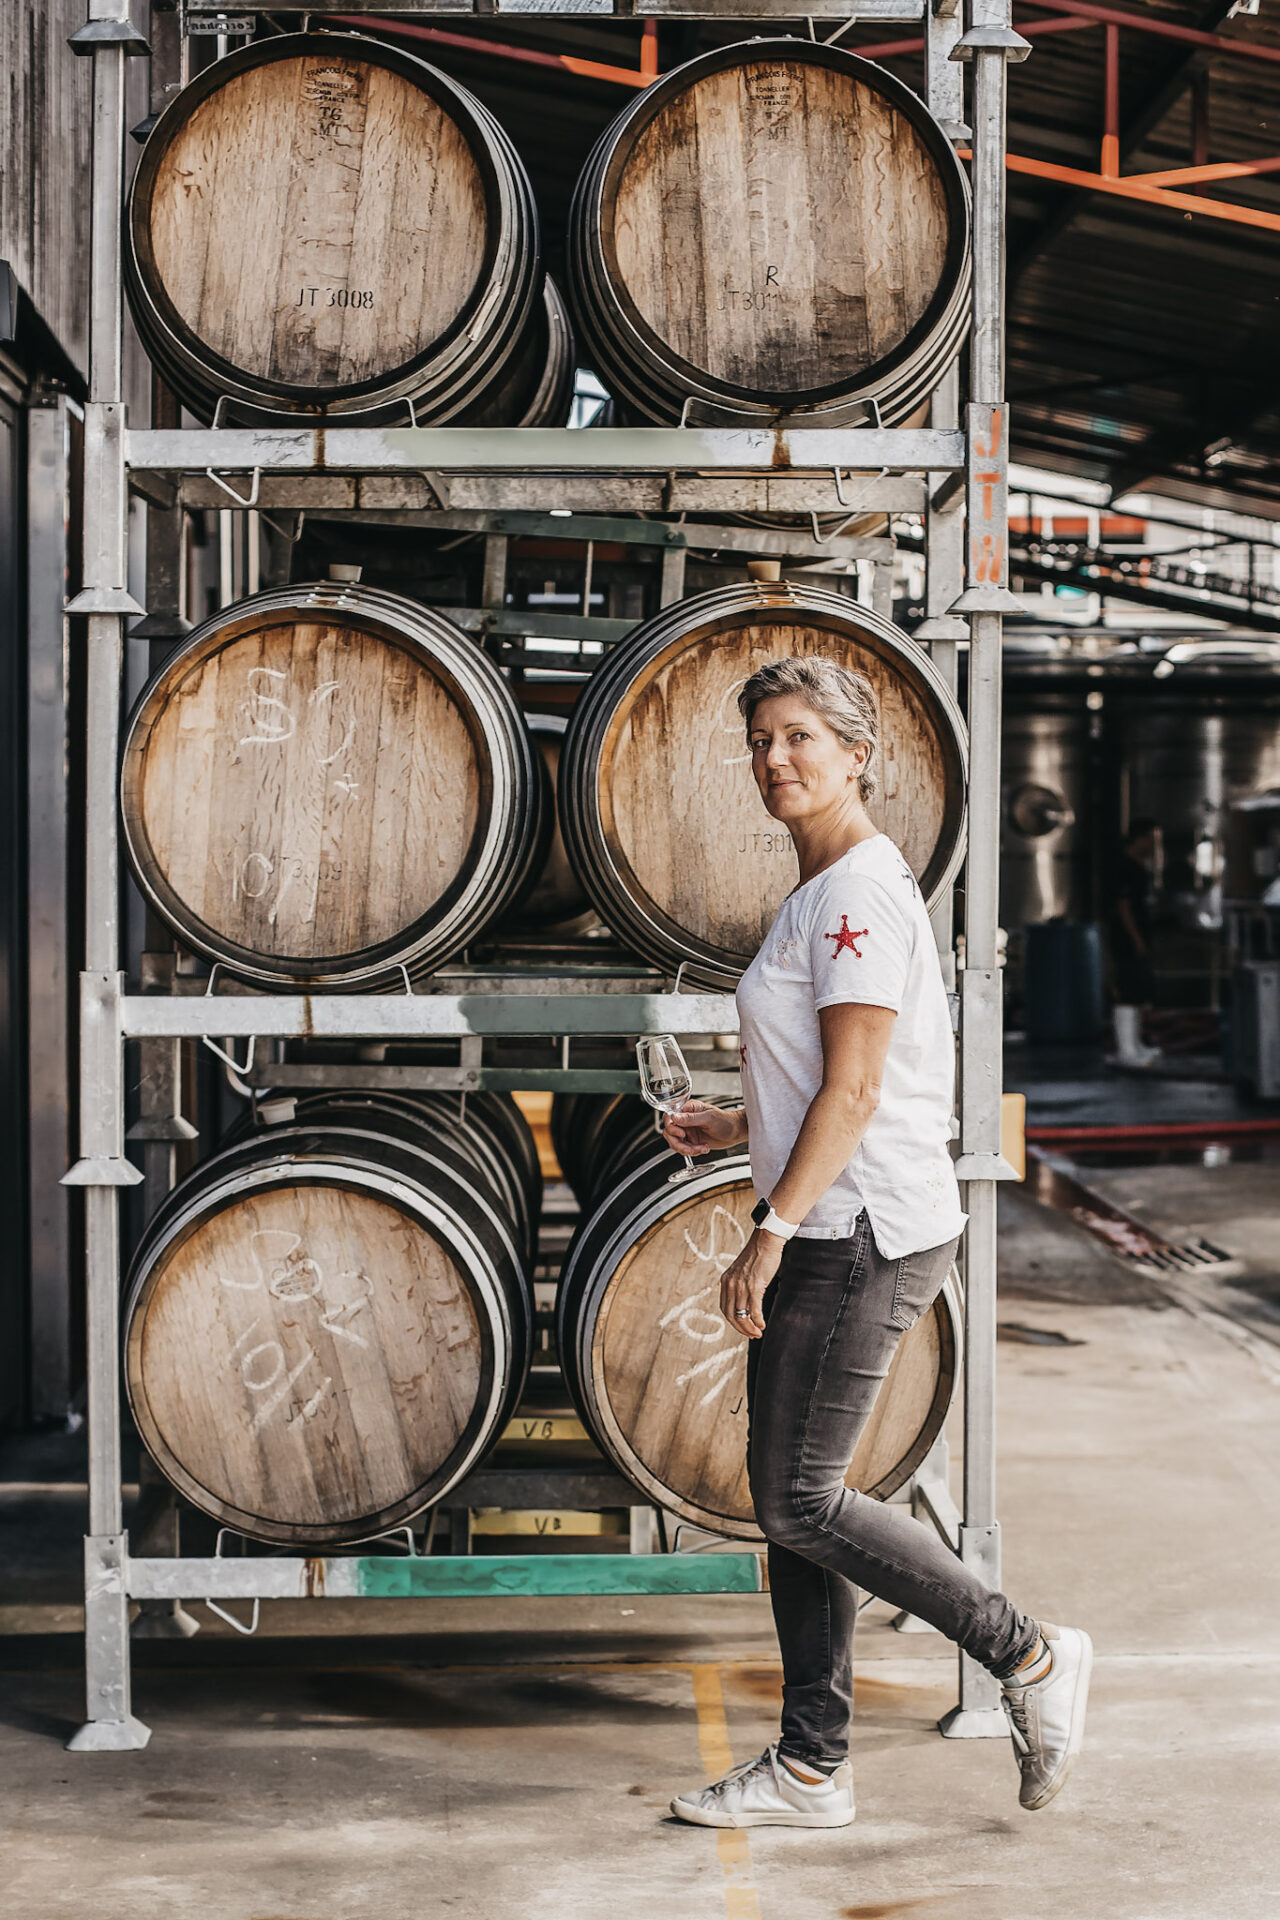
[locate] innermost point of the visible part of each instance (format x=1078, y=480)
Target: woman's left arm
x=855, y=1042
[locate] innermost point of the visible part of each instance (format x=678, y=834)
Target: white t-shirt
x=858, y=931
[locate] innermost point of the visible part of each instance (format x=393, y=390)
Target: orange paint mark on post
x=989, y=563
x=988, y=480
x=994, y=436
x=986, y=484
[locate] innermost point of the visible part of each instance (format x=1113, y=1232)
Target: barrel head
x=317, y=220
x=777, y=225
x=301, y=791
x=305, y=1361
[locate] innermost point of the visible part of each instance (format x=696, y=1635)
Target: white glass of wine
x=666, y=1083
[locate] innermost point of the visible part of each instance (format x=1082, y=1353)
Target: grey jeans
x=834, y=1315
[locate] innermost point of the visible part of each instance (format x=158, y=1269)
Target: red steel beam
x=528, y=56
x=886, y=49
x=622, y=76
x=1164, y=30
x=1154, y=1132
x=1078, y=14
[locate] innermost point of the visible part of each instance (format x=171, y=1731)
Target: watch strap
x=774, y=1223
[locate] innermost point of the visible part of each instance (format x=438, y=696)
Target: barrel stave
x=536, y=388
x=552, y=900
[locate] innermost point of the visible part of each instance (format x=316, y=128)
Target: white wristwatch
x=765, y=1217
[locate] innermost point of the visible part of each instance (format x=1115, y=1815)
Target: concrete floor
x=512, y=1760
x=1072, y=1085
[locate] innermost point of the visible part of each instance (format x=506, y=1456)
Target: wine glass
x=666, y=1083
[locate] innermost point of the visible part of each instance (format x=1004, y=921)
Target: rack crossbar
x=401, y=1577
x=313, y=1077
x=691, y=536
x=544, y=449
x=420, y=1016
x=415, y=497
x=737, y=10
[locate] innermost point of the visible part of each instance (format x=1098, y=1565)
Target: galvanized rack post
x=990, y=44
x=454, y=470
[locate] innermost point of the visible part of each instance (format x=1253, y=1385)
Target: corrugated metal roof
x=1142, y=341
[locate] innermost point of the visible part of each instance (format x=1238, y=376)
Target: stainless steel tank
x=1187, y=754
x=1045, y=749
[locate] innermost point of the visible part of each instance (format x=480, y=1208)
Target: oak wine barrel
x=329, y=1321
x=592, y=1132
x=537, y=390
x=777, y=228
x=326, y=784
x=660, y=814
x=323, y=224
x=554, y=903
x=657, y=1374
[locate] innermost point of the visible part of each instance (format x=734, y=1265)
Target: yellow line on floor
x=741, y=1902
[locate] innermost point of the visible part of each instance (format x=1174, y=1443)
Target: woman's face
x=801, y=766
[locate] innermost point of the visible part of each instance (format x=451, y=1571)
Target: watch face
x=760, y=1212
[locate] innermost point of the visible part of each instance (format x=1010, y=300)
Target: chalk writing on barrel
x=704, y=1323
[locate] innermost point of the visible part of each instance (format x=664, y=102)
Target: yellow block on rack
x=550, y=1427
x=547, y=1521
x=536, y=1108
x=1013, y=1131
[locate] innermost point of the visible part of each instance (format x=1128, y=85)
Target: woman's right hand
x=697, y=1128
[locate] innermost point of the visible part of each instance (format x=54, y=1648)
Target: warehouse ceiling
x=1142, y=338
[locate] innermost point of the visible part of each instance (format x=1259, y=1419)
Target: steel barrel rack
x=957, y=473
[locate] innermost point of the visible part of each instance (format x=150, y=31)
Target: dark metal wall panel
x=44, y=182
x=54, y=1264
x=13, y=1315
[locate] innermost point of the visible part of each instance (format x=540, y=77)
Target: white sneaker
x=765, y=1793
x=1130, y=1048
x=1046, y=1717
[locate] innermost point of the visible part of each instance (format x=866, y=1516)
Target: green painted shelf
x=386, y=1577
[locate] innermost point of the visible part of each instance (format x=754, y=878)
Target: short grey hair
x=838, y=695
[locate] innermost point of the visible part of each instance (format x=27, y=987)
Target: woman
x=847, y=1075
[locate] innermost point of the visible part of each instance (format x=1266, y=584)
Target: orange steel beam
x=1215, y=170
x=528, y=56
x=1110, y=162
x=1136, y=187
x=1164, y=29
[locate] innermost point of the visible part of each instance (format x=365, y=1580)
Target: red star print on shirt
x=846, y=939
